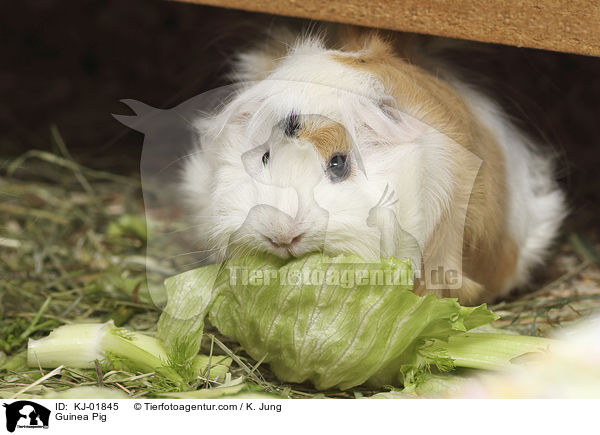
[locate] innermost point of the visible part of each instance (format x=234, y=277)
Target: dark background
x=69, y=62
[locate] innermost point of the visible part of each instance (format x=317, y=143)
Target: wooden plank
x=561, y=25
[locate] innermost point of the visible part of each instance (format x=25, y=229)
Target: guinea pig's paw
x=470, y=292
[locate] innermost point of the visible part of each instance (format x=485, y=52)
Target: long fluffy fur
x=470, y=192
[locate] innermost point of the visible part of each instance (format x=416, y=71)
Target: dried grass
x=72, y=249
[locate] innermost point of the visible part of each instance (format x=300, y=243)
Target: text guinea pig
x=352, y=147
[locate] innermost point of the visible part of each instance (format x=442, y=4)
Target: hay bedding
x=72, y=249
x=72, y=246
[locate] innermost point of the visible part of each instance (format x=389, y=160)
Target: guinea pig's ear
x=256, y=63
x=382, y=121
x=366, y=47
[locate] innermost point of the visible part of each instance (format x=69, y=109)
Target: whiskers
x=241, y=245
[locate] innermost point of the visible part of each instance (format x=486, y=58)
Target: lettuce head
x=337, y=322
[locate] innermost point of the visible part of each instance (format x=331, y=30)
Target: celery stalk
x=77, y=345
x=490, y=351
x=80, y=345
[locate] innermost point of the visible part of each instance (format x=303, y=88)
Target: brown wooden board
x=560, y=25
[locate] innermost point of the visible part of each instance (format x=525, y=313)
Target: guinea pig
x=354, y=142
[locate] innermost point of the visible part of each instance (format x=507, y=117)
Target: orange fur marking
x=328, y=138
x=487, y=255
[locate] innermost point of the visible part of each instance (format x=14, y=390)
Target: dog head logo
x=288, y=198
x=26, y=414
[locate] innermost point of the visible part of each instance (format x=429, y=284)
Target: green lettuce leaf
x=336, y=322
x=188, y=298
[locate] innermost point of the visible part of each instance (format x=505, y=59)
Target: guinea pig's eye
x=338, y=167
x=291, y=125
x=265, y=158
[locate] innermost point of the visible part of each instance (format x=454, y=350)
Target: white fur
x=237, y=203
x=536, y=206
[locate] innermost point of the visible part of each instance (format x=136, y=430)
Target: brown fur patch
x=328, y=138
x=417, y=92
x=484, y=253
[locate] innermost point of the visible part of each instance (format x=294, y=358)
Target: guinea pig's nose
x=284, y=240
